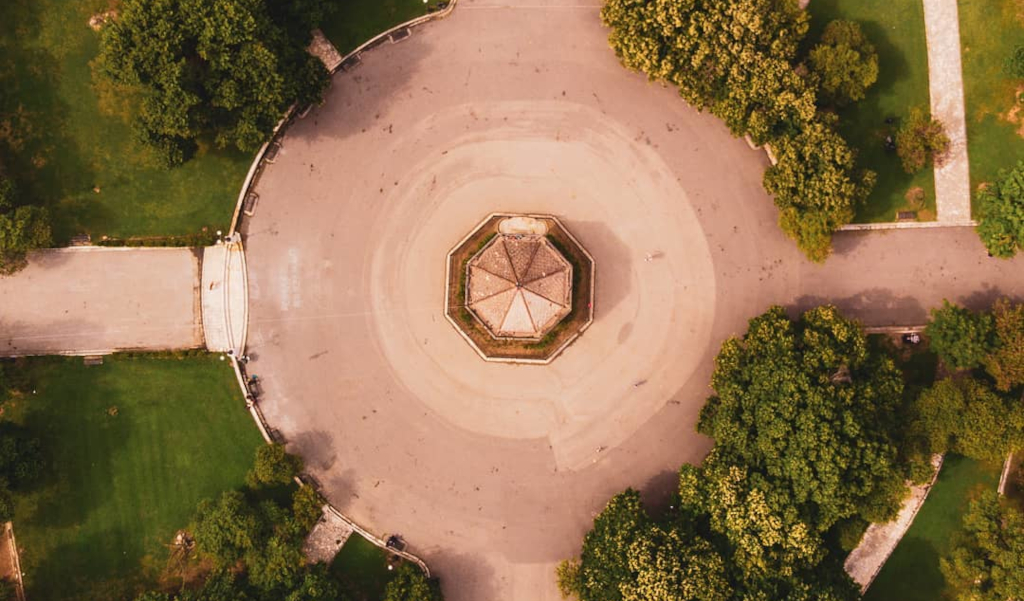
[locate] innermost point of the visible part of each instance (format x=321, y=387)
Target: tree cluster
x=1001, y=208
x=222, y=68
x=804, y=418
x=736, y=59
x=22, y=228
x=986, y=561
x=975, y=412
x=254, y=538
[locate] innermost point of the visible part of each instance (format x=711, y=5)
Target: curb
x=904, y=225
x=257, y=163
x=255, y=169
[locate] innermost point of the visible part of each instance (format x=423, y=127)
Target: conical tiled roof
x=519, y=286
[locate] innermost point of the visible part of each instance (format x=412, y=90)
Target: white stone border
x=880, y=540
x=520, y=361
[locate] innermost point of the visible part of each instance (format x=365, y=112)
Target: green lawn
x=70, y=133
x=356, y=21
x=133, y=445
x=896, y=28
x=912, y=571
x=361, y=568
x=989, y=31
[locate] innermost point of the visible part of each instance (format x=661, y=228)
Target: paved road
x=493, y=472
x=94, y=299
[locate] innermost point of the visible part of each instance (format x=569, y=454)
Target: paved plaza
x=493, y=472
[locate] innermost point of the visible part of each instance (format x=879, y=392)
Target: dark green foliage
x=228, y=529
x=1006, y=363
x=22, y=228
x=567, y=574
x=844, y=63
x=316, y=585
x=21, y=462
x=1001, y=210
x=307, y=507
x=810, y=406
x=276, y=565
x=735, y=59
x=273, y=466
x=229, y=68
x=920, y=140
x=1014, y=66
x=411, y=584
x=986, y=562
x=816, y=186
x=604, y=565
x=221, y=585
x=961, y=338
x=965, y=417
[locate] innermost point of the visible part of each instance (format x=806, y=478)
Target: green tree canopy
x=411, y=584
x=228, y=529
x=22, y=228
x=228, y=68
x=273, y=466
x=813, y=409
x=604, y=562
x=816, y=186
x=1006, y=363
x=1001, y=208
x=964, y=416
x=920, y=140
x=961, y=338
x=670, y=565
x=986, y=562
x=844, y=63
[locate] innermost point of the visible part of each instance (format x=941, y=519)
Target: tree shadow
x=45, y=162
x=867, y=306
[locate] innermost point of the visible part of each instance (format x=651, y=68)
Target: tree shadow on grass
x=910, y=574
x=85, y=568
x=45, y=162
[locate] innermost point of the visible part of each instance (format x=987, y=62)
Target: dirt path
x=946, y=86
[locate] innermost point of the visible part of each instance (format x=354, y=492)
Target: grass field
x=897, y=31
x=356, y=21
x=133, y=445
x=361, y=568
x=64, y=133
x=989, y=32
x=912, y=571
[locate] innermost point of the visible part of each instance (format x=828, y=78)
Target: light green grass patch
x=896, y=28
x=356, y=21
x=912, y=571
x=133, y=445
x=990, y=30
x=68, y=134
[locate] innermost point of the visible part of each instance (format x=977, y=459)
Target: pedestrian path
x=96, y=300
x=946, y=87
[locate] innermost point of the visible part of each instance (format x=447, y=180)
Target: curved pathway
x=493, y=472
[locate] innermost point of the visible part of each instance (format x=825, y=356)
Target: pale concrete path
x=85, y=300
x=946, y=87
x=225, y=297
x=493, y=472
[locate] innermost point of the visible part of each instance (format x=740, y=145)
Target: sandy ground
x=101, y=299
x=493, y=472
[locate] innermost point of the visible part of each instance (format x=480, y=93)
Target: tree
x=604, y=563
x=273, y=466
x=964, y=416
x=22, y=228
x=1006, y=363
x=220, y=585
x=276, y=565
x=844, y=63
x=961, y=338
x=1001, y=209
x=1014, y=66
x=411, y=584
x=567, y=574
x=816, y=186
x=316, y=585
x=920, y=140
x=229, y=68
x=670, y=566
x=228, y=529
x=986, y=562
x=810, y=407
